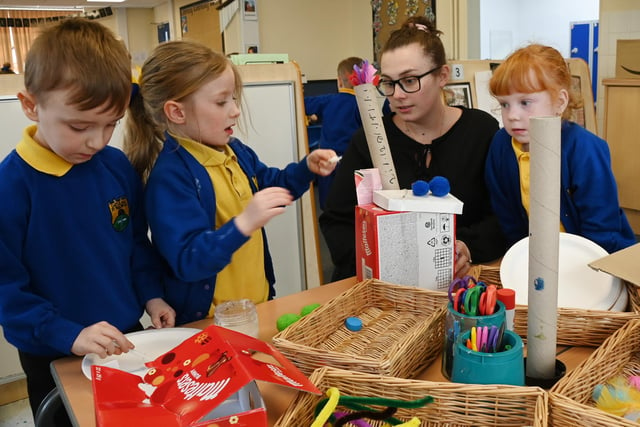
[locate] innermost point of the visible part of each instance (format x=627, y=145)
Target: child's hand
x=322, y=162
x=265, y=205
x=161, y=313
x=102, y=339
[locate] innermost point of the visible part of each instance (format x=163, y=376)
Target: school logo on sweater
x=119, y=209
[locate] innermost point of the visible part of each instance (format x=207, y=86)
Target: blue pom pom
x=439, y=186
x=420, y=188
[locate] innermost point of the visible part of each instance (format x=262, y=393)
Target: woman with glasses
x=427, y=138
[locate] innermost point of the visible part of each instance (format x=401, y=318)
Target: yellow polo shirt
x=244, y=276
x=524, y=167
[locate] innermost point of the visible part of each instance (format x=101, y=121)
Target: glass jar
x=238, y=315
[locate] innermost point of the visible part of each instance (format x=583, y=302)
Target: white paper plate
x=579, y=286
x=149, y=343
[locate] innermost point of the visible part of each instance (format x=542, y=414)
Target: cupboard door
x=621, y=130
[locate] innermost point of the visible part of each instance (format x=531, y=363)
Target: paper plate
x=149, y=343
x=579, y=286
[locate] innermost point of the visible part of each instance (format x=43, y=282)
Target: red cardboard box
x=208, y=380
x=415, y=248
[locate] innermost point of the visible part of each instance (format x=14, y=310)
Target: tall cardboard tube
x=376, y=136
x=544, y=237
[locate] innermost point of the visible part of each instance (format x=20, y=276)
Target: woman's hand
x=463, y=259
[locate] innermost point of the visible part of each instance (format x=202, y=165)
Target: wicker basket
x=403, y=331
x=575, y=327
x=454, y=404
x=570, y=399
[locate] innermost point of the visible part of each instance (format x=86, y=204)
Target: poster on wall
x=458, y=94
x=389, y=15
x=200, y=21
x=183, y=23
x=249, y=11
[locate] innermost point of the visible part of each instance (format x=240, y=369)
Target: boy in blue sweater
x=339, y=115
x=76, y=266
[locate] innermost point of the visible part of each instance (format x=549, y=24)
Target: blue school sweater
x=73, y=247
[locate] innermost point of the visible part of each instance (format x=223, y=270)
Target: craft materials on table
x=288, y=319
x=544, y=223
x=326, y=409
x=619, y=396
x=353, y=323
x=473, y=305
x=485, y=339
x=238, y=315
x=439, y=187
x=364, y=80
x=474, y=362
x=579, y=285
x=508, y=298
x=473, y=298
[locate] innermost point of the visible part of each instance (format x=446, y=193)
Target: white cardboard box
x=415, y=248
x=406, y=201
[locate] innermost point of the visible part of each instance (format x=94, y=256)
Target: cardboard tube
x=376, y=136
x=544, y=232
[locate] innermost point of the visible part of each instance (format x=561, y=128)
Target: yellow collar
x=40, y=158
x=205, y=155
x=347, y=90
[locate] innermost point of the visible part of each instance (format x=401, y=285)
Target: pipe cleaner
x=323, y=415
x=372, y=415
x=356, y=422
x=359, y=404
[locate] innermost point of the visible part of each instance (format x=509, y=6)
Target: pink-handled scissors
x=482, y=338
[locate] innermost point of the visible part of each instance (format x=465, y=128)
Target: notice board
x=201, y=22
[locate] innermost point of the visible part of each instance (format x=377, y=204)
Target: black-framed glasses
x=409, y=84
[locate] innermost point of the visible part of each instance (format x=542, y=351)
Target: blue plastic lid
x=353, y=324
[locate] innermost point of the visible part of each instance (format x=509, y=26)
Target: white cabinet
x=274, y=127
x=12, y=122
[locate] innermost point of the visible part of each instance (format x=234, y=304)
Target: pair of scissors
x=472, y=342
x=461, y=283
x=477, y=338
x=472, y=299
x=484, y=339
x=488, y=300
x=493, y=339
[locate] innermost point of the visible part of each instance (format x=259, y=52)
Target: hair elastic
x=135, y=91
x=421, y=27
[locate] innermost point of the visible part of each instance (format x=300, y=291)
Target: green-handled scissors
x=472, y=299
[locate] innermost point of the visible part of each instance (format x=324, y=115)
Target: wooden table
x=77, y=394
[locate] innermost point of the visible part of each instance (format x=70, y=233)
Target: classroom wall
x=306, y=30
x=141, y=34
x=317, y=35
x=506, y=25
